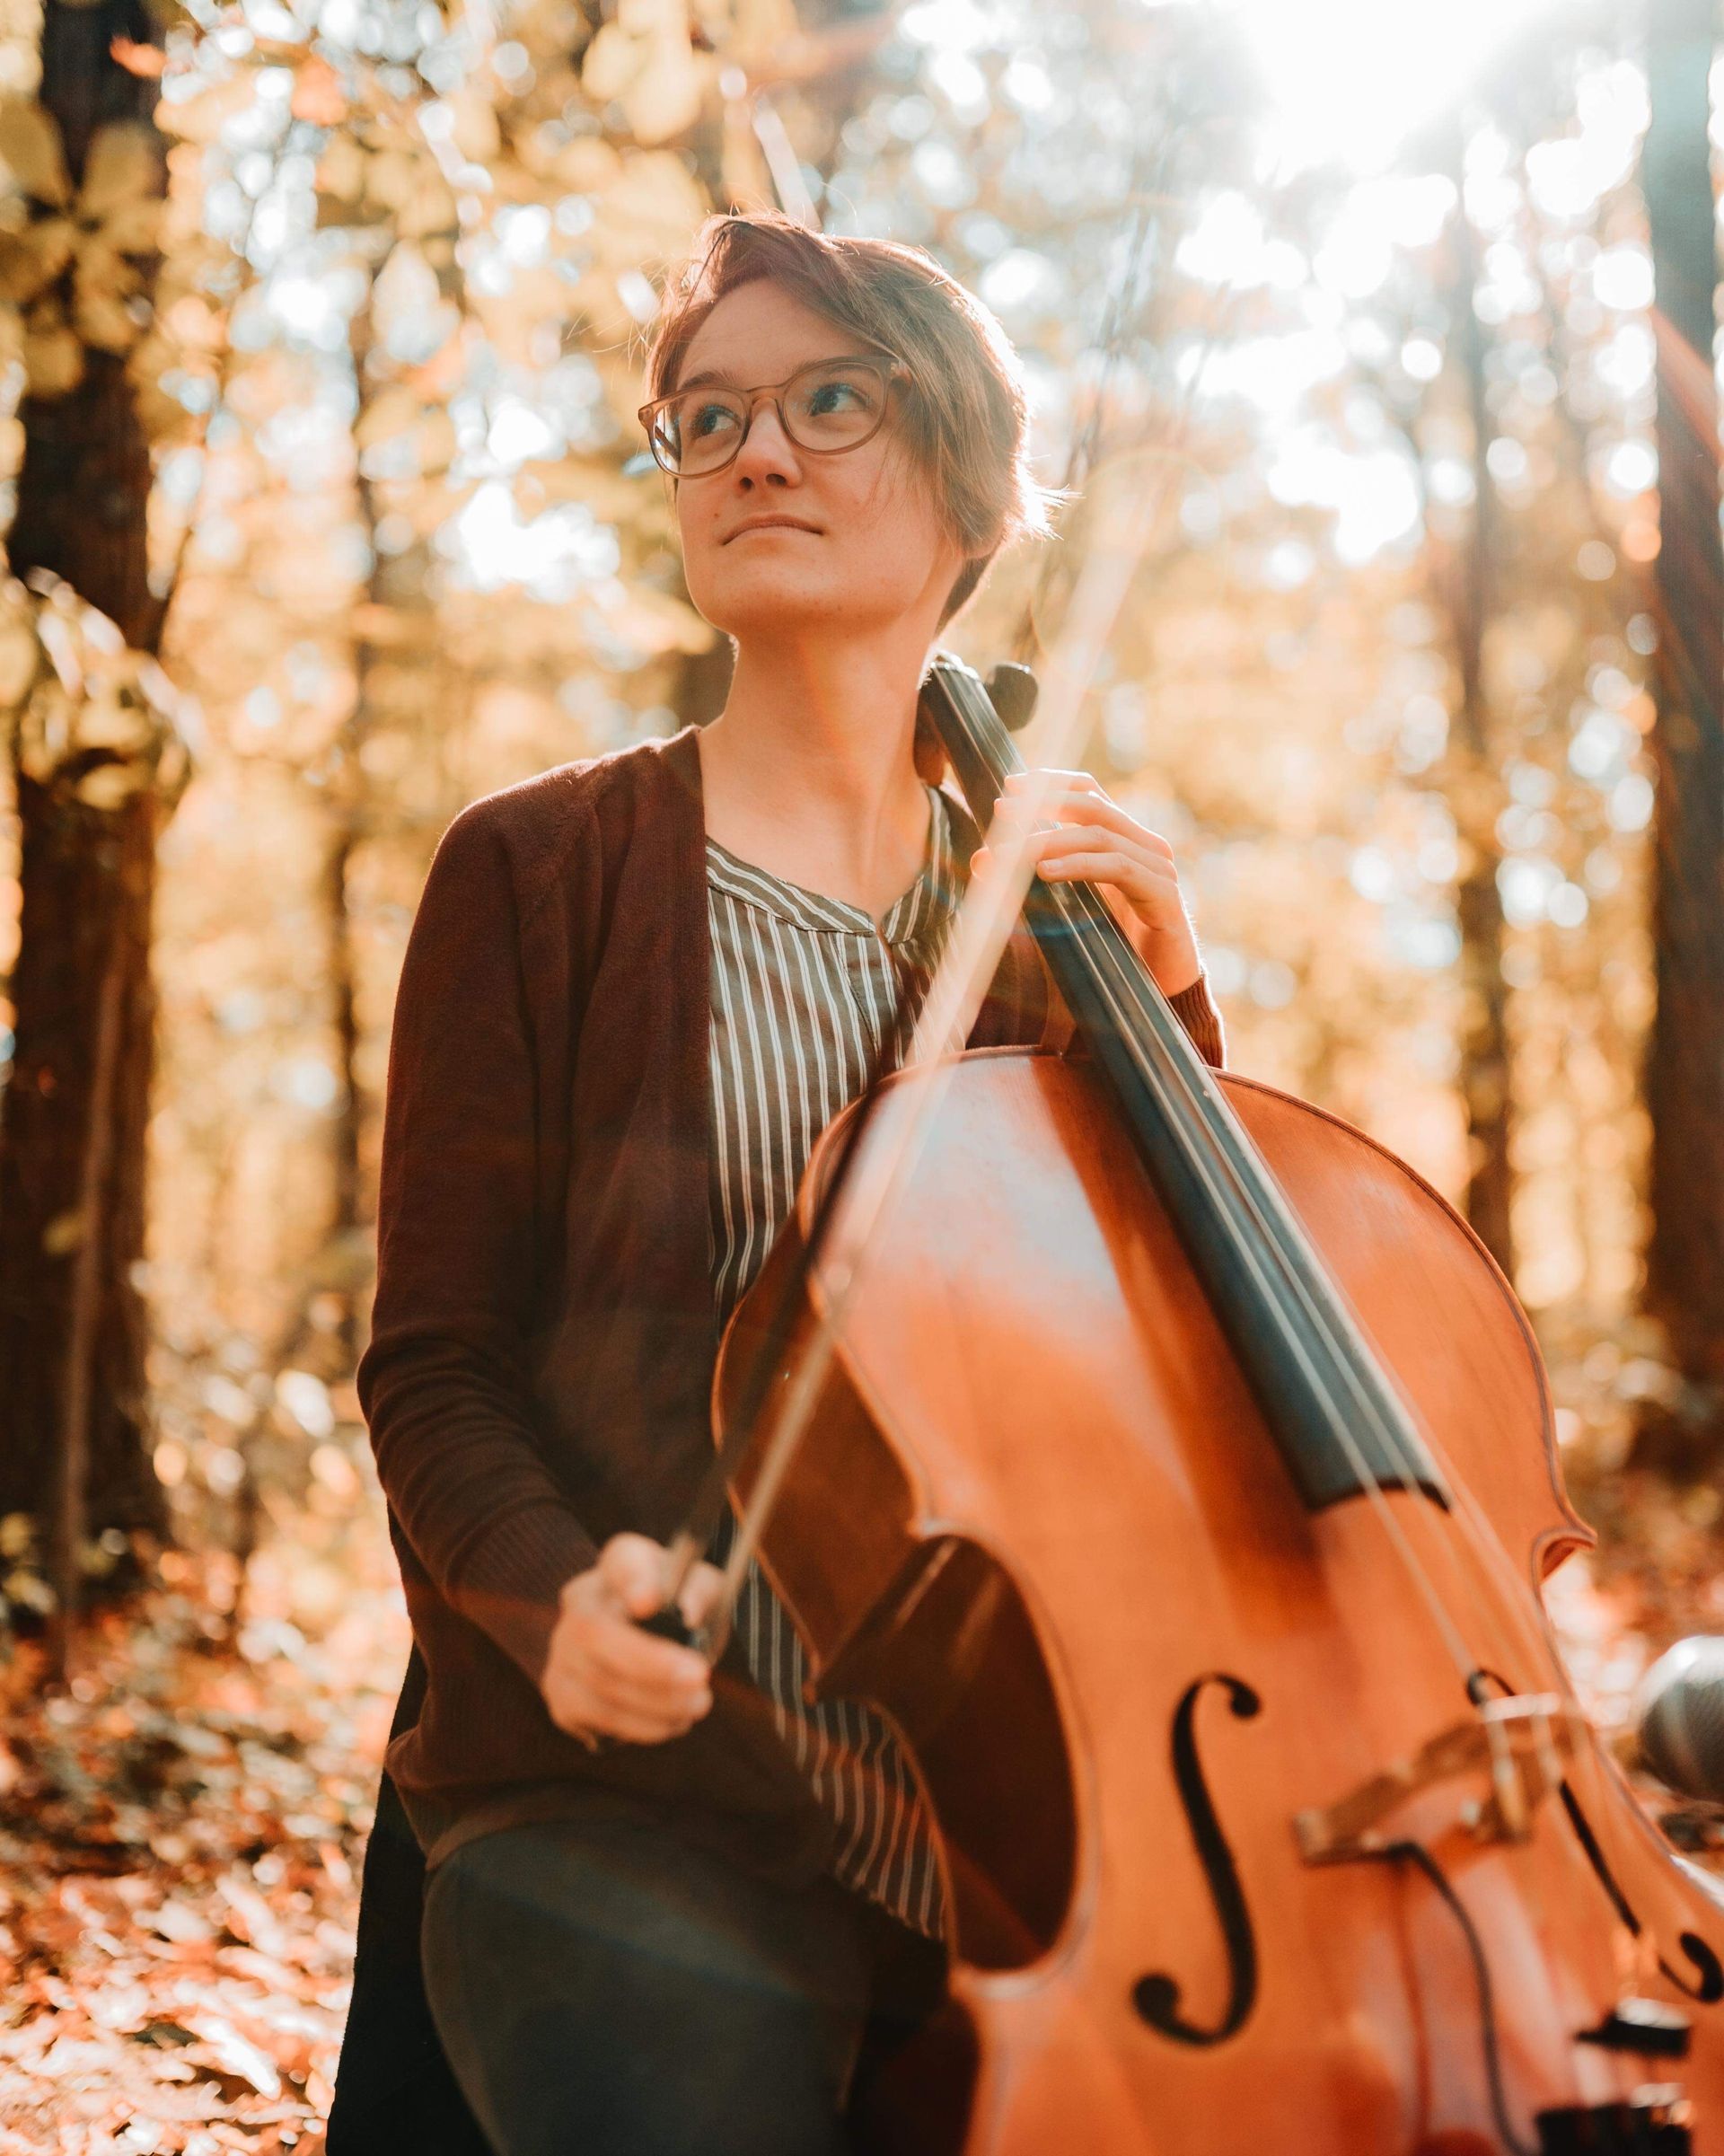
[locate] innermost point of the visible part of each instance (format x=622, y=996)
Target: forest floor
x=180, y=1838
x=181, y=1829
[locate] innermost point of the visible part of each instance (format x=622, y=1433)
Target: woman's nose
x=765, y=447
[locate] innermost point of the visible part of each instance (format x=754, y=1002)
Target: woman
x=671, y=1907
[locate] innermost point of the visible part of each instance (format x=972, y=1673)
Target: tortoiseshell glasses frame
x=664, y=437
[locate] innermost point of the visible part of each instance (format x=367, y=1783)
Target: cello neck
x=1337, y=1419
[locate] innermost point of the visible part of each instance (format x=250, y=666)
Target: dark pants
x=602, y=1988
x=394, y=2094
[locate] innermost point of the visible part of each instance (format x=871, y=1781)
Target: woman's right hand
x=604, y=1675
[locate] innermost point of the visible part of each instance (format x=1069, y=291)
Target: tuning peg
x=1013, y=691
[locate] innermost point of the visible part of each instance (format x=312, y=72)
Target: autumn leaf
x=385, y=416
x=62, y=1234
x=125, y=161
x=53, y=359
x=20, y=657
x=613, y=61
x=663, y=98
x=133, y=226
x=147, y=61
x=428, y=206
x=31, y=155
x=319, y=96
x=392, y=177
x=31, y=260
x=103, y=284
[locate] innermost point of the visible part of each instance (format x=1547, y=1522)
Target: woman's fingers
x=700, y=1593
x=1080, y=781
x=632, y=1568
x=584, y=1709
x=1104, y=824
x=620, y=1653
x=1074, y=851
x=1086, y=836
x=1086, y=810
x=1091, y=807
x=629, y=1699
x=1081, y=835
x=1070, y=853
x=588, y=1697
x=1135, y=877
x=604, y=1675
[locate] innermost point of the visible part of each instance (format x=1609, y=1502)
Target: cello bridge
x=1520, y=1744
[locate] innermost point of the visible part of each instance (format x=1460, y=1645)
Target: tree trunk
x=1486, y=1077
x=347, y=793
x=71, y=1514
x=1684, y=1069
x=88, y=883
x=87, y=878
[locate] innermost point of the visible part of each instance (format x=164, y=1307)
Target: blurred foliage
x=388, y=362
x=385, y=331
x=390, y=368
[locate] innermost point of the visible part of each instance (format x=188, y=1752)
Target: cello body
x=1041, y=1521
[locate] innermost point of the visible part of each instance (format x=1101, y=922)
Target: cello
x=1178, y=1475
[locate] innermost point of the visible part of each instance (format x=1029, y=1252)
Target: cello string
x=1495, y=1582
x=1119, y=977
x=1500, y=1584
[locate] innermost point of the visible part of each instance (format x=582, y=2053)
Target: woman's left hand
x=1092, y=840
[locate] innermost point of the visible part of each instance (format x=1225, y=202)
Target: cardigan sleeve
x=1195, y=1009
x=443, y=1382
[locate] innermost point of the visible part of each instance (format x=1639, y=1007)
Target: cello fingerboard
x=1336, y=1417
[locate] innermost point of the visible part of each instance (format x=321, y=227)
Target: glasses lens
x=698, y=430
x=835, y=405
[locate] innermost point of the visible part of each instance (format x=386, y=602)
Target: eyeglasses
x=825, y=407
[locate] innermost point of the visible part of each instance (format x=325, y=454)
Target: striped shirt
x=804, y=990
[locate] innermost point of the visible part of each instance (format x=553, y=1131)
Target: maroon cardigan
x=543, y=1332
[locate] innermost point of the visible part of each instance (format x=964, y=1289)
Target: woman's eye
x=705, y=419
x=830, y=396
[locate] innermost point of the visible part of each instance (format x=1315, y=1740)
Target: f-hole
x=1156, y=1996
x=1710, y=1989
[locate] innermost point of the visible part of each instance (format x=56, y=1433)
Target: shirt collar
x=924, y=907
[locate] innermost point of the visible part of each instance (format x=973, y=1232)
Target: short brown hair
x=965, y=414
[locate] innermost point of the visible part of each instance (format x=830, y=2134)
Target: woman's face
x=873, y=548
